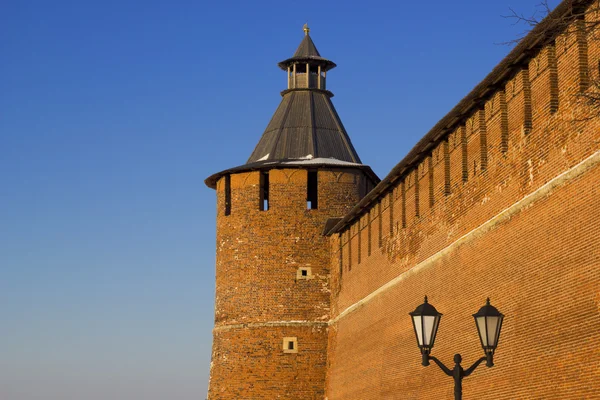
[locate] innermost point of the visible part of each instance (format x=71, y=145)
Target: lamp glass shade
x=426, y=328
x=488, y=330
x=425, y=321
x=489, y=323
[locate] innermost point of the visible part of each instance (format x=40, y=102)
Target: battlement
x=532, y=127
x=291, y=190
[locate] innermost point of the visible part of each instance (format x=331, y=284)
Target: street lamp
x=426, y=320
x=489, y=322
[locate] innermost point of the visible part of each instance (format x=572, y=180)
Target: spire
x=307, y=48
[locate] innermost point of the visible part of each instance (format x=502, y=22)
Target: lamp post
x=426, y=320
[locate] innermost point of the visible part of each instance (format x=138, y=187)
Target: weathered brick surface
x=249, y=364
x=259, y=299
x=541, y=266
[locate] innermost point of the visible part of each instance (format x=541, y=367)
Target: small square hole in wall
x=304, y=273
x=290, y=345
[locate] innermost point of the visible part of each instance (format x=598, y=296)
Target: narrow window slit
x=312, y=201
x=227, y=194
x=264, y=192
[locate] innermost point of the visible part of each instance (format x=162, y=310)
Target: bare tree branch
x=542, y=10
x=578, y=19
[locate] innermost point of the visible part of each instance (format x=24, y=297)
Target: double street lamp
x=426, y=320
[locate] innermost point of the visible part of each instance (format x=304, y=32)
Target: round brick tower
x=272, y=269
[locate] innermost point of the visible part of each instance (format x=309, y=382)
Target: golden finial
x=306, y=29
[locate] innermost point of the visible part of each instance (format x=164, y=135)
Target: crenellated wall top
x=512, y=65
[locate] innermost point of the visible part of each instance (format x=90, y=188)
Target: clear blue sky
x=112, y=113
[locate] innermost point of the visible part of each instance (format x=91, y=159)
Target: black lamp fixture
x=489, y=323
x=426, y=320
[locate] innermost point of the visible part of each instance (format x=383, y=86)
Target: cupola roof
x=307, y=52
x=307, y=49
x=305, y=130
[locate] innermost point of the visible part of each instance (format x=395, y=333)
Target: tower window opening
x=264, y=192
x=304, y=273
x=227, y=194
x=312, y=191
x=290, y=344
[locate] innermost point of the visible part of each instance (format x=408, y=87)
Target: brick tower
x=272, y=265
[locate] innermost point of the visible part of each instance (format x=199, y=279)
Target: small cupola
x=306, y=69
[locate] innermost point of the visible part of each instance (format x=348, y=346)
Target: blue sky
x=112, y=113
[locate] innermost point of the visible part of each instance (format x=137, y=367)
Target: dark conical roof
x=305, y=126
x=306, y=49
x=307, y=52
x=305, y=131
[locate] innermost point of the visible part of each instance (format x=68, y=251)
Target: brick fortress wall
x=261, y=295
x=506, y=205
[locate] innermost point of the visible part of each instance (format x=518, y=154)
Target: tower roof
x=305, y=130
x=304, y=126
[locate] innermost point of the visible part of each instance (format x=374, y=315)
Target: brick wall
x=259, y=298
x=506, y=205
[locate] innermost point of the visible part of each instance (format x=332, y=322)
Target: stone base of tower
x=254, y=362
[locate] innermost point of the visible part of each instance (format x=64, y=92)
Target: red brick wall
x=517, y=231
x=248, y=363
x=259, y=299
